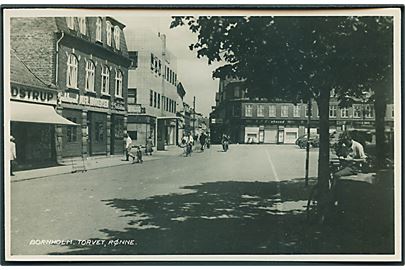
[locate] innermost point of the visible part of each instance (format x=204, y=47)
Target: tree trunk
x=380, y=110
x=323, y=162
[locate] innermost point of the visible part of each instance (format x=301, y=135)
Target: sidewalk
x=91, y=163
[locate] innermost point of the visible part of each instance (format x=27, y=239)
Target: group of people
x=135, y=151
x=188, y=141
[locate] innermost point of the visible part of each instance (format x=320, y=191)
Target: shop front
x=33, y=121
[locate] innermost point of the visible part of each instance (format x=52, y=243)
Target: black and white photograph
x=164, y=134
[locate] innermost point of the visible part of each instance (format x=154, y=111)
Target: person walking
x=128, y=146
x=203, y=138
x=149, y=144
x=13, y=155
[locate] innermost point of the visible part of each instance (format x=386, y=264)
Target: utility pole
x=194, y=116
x=308, y=134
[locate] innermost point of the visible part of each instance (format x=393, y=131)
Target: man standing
x=128, y=146
x=13, y=154
x=203, y=137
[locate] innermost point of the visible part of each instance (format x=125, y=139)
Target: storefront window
x=99, y=129
x=71, y=132
x=119, y=130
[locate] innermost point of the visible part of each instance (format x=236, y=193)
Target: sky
x=194, y=74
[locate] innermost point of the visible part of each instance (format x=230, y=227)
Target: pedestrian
x=13, y=154
x=203, y=138
x=190, y=143
x=149, y=144
x=128, y=146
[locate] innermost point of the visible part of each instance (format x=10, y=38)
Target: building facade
x=154, y=99
x=86, y=60
x=261, y=121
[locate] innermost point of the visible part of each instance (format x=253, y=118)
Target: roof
x=20, y=73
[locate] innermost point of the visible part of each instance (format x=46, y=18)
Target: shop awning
x=36, y=113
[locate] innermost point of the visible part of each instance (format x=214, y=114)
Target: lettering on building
x=33, y=95
x=118, y=105
x=94, y=102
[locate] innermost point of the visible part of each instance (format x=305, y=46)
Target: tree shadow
x=229, y=217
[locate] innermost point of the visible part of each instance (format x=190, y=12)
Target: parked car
x=313, y=141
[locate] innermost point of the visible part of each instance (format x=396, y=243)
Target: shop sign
x=279, y=122
x=118, y=105
x=70, y=98
x=94, y=102
x=33, y=95
x=136, y=108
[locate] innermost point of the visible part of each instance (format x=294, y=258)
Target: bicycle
x=328, y=199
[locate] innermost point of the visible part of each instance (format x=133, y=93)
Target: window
x=163, y=102
x=118, y=83
x=71, y=76
x=344, y=112
x=131, y=96
x=82, y=25
x=306, y=111
x=71, y=131
x=154, y=99
x=158, y=101
x=296, y=110
x=356, y=111
x=272, y=110
x=175, y=78
x=99, y=23
x=332, y=111
x=369, y=111
x=108, y=30
x=152, y=62
x=392, y=112
x=156, y=65
x=134, y=59
x=90, y=72
x=117, y=36
x=284, y=110
x=105, y=80
x=151, y=98
x=99, y=134
x=248, y=110
x=167, y=104
x=160, y=67
x=236, y=92
x=70, y=21
x=260, y=110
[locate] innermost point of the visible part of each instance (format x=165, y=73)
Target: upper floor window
x=158, y=101
x=151, y=98
x=284, y=110
x=71, y=75
x=392, y=112
x=105, y=80
x=160, y=67
x=344, y=112
x=90, y=73
x=369, y=111
x=117, y=32
x=131, y=96
x=70, y=21
x=332, y=111
x=99, y=24
x=356, y=111
x=152, y=62
x=118, y=83
x=296, y=111
x=134, y=59
x=108, y=30
x=82, y=25
x=260, y=110
x=154, y=99
x=248, y=110
x=272, y=110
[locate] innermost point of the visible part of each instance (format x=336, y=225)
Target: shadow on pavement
x=245, y=218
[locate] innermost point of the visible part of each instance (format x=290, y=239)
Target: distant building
x=86, y=60
x=248, y=120
x=153, y=92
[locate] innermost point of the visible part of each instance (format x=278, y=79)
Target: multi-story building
x=86, y=60
x=262, y=121
x=152, y=90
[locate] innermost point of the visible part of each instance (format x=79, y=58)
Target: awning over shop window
x=36, y=113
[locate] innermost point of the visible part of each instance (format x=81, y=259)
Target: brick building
x=86, y=60
x=262, y=121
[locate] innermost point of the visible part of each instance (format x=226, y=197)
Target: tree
x=295, y=58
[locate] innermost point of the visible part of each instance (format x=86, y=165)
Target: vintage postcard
x=177, y=134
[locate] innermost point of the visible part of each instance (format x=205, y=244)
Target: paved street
x=248, y=200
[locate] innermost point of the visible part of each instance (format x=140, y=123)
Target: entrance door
x=97, y=133
x=270, y=136
x=280, y=136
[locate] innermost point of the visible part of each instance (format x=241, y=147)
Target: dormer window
x=99, y=23
x=70, y=21
x=108, y=29
x=117, y=37
x=82, y=25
